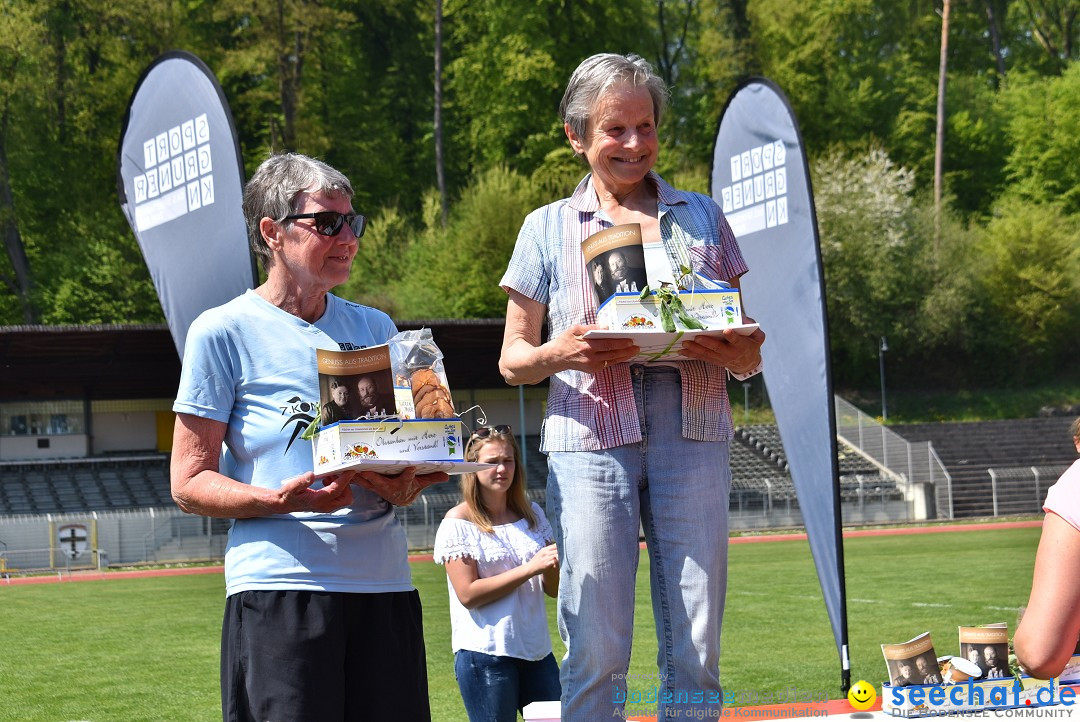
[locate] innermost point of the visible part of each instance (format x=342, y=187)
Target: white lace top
x=516, y=625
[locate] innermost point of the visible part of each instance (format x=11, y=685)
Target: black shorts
x=289, y=656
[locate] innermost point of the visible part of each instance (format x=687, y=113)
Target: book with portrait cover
x=912, y=662
x=615, y=260
x=355, y=384
x=987, y=645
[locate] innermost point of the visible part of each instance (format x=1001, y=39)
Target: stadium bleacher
x=759, y=467
x=73, y=485
x=969, y=450
x=984, y=444
x=758, y=464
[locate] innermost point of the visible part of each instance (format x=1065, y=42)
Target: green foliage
x=109, y=283
x=716, y=54
x=1044, y=133
x=1032, y=280
x=872, y=253
x=465, y=260
x=953, y=311
x=836, y=63
x=975, y=136
x=558, y=174
x=380, y=264
x=508, y=66
x=917, y=405
x=351, y=81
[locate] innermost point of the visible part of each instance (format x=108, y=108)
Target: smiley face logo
x=862, y=695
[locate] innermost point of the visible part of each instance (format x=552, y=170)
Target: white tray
x=666, y=345
x=393, y=467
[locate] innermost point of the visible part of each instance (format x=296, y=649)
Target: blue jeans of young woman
x=494, y=689
x=677, y=490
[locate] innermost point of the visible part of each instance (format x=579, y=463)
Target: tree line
x=986, y=287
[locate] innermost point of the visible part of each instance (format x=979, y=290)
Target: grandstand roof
x=140, y=360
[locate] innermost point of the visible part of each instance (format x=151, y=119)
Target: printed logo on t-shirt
x=300, y=414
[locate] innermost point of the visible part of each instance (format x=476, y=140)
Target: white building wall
x=116, y=431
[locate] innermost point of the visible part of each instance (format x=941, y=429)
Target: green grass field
x=147, y=649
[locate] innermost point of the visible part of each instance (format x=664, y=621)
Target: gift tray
x=664, y=346
x=393, y=467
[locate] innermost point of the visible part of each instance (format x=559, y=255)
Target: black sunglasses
x=329, y=223
x=483, y=432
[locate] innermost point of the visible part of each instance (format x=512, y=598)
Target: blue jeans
x=494, y=689
x=677, y=490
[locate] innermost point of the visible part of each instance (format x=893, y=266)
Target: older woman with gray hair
x=629, y=445
x=321, y=618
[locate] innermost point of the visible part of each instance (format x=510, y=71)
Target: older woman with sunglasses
x=321, y=617
x=500, y=562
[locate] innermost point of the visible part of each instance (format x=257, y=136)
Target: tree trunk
x=995, y=38
x=1050, y=20
x=60, y=59
x=440, y=175
x=13, y=243
x=671, y=48
x=939, y=145
x=740, y=23
x=290, y=61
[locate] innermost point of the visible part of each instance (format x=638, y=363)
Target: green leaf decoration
x=665, y=316
x=311, y=430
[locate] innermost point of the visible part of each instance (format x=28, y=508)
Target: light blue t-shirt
x=252, y=366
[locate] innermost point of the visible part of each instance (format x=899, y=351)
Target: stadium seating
x=759, y=468
x=969, y=449
x=760, y=475
x=73, y=485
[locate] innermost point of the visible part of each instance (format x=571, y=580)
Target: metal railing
x=1022, y=489
x=911, y=463
x=31, y=561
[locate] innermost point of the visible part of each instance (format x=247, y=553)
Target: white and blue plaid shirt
x=588, y=412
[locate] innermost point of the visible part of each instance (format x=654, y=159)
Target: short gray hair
x=272, y=190
x=598, y=74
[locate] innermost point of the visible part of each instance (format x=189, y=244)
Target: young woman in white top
x=500, y=561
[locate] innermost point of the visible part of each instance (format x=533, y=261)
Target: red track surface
x=786, y=711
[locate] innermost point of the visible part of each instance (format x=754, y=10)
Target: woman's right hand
x=296, y=494
x=526, y=360
x=546, y=558
x=199, y=488
x=591, y=355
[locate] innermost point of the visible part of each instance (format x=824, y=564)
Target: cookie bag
x=420, y=387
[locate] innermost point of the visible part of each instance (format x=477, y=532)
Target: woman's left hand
x=400, y=490
x=735, y=352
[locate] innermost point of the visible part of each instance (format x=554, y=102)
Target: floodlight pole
x=882, y=348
